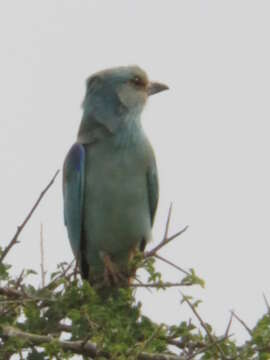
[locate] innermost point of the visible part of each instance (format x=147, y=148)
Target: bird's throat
x=129, y=133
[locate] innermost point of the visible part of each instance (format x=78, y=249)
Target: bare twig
x=171, y=263
x=64, y=327
x=14, y=240
x=76, y=270
x=146, y=356
x=148, y=340
x=195, y=312
x=168, y=223
x=164, y=242
x=88, y=348
x=205, y=348
x=266, y=303
x=77, y=347
x=159, y=285
x=166, y=239
x=42, y=267
x=199, y=346
x=141, y=283
x=182, y=344
x=14, y=296
x=19, y=280
x=55, y=281
x=169, y=239
x=242, y=323
x=11, y=293
x=229, y=325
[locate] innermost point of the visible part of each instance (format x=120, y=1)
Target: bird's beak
x=155, y=87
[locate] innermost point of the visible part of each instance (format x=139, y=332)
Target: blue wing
x=153, y=190
x=73, y=191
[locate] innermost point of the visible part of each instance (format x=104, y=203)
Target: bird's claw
x=112, y=275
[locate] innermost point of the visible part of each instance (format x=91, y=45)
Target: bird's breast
x=117, y=172
x=116, y=209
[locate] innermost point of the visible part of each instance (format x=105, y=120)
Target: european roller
x=110, y=181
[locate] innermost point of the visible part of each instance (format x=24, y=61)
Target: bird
x=110, y=178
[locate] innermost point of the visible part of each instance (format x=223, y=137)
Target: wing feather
x=153, y=190
x=73, y=191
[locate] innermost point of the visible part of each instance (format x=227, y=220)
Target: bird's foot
x=112, y=275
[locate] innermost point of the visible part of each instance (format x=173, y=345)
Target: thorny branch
x=195, y=312
x=164, y=242
x=242, y=323
x=85, y=347
x=64, y=274
x=10, y=293
x=205, y=348
x=76, y=346
x=166, y=239
x=153, y=253
x=88, y=348
x=229, y=325
x=14, y=240
x=171, y=264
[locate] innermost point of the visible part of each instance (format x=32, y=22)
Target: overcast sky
x=210, y=132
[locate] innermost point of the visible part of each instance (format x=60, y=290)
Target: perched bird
x=110, y=182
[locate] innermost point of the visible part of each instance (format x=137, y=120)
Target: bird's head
x=121, y=89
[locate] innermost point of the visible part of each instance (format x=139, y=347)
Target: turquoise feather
x=110, y=181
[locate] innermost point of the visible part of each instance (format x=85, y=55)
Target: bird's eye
x=137, y=81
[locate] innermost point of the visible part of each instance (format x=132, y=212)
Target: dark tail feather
x=84, y=267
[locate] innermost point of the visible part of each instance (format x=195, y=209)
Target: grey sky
x=210, y=132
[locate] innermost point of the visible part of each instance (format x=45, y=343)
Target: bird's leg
x=132, y=269
x=112, y=275
x=110, y=271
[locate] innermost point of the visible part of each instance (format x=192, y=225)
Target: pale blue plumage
x=110, y=181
